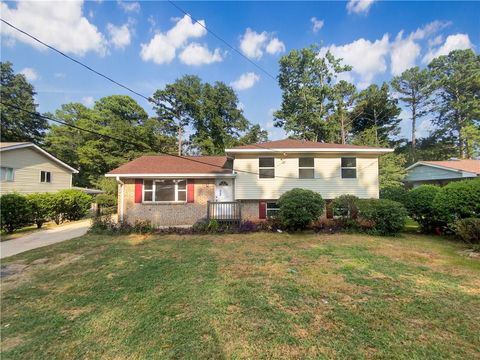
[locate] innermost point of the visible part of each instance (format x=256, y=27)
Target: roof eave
x=177, y=175
x=310, y=150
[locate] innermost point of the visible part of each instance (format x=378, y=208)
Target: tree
x=306, y=80
x=254, y=135
x=343, y=97
x=17, y=125
x=118, y=116
x=457, y=102
x=414, y=87
x=377, y=110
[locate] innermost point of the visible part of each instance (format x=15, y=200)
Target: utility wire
x=224, y=41
x=147, y=147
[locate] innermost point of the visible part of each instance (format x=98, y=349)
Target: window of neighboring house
x=266, y=168
x=349, y=168
x=167, y=190
x=306, y=168
x=6, y=174
x=272, y=209
x=45, y=176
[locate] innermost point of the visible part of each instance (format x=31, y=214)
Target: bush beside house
x=419, y=204
x=387, y=217
x=299, y=207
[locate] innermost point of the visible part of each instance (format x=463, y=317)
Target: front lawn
x=242, y=296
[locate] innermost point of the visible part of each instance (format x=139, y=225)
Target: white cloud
x=88, y=101
x=253, y=43
x=245, y=81
x=60, y=24
x=162, y=47
x=366, y=57
x=316, y=24
x=275, y=46
x=359, y=6
x=129, y=6
x=430, y=29
x=197, y=54
x=453, y=42
x=404, y=54
x=60, y=75
x=437, y=40
x=30, y=74
x=120, y=36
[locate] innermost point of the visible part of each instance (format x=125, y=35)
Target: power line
x=147, y=147
x=224, y=41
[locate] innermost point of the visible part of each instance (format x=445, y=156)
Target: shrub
x=41, y=205
x=15, y=212
x=469, y=230
x=247, y=226
x=458, y=200
x=201, y=226
x=419, y=204
x=70, y=204
x=299, y=207
x=387, y=217
x=395, y=193
x=106, y=200
x=345, y=206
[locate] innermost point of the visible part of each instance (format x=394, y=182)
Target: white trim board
x=309, y=150
x=186, y=176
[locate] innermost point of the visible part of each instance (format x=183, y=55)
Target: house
x=26, y=168
x=171, y=191
x=441, y=172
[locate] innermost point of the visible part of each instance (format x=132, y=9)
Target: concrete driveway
x=43, y=238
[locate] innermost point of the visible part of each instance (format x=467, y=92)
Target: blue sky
x=149, y=44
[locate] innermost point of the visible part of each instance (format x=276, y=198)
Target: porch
x=224, y=211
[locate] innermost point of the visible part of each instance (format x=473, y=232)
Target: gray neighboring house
x=26, y=168
x=441, y=172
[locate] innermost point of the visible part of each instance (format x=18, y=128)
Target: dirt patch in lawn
x=10, y=343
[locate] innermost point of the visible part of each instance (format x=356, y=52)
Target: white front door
x=224, y=190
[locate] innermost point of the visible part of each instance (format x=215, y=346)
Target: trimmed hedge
x=468, y=230
x=458, y=200
x=395, y=193
x=345, y=206
x=419, y=204
x=298, y=208
x=387, y=217
x=42, y=209
x=71, y=205
x=15, y=213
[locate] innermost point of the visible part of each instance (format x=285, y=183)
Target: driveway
x=43, y=238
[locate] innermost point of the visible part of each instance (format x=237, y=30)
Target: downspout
x=120, y=210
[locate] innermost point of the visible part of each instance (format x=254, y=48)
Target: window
x=306, y=168
x=272, y=209
x=167, y=190
x=349, y=168
x=266, y=167
x=7, y=174
x=45, y=176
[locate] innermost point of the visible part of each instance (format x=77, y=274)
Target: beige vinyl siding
x=27, y=164
x=327, y=181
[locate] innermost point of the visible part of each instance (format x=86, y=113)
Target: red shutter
x=190, y=191
x=138, y=190
x=262, y=210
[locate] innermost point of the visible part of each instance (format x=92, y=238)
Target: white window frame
x=306, y=167
x=348, y=167
x=5, y=169
x=46, y=172
x=266, y=167
x=267, y=209
x=154, y=190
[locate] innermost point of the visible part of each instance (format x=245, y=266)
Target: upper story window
x=167, y=190
x=45, y=176
x=6, y=174
x=266, y=168
x=306, y=168
x=349, y=168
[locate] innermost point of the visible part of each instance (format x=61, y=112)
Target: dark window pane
x=147, y=196
x=182, y=196
x=306, y=162
x=148, y=184
x=48, y=177
x=306, y=173
x=42, y=176
x=272, y=213
x=267, y=173
x=272, y=205
x=266, y=162
x=349, y=173
x=182, y=184
x=165, y=190
x=349, y=162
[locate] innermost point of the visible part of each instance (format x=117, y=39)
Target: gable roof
x=165, y=165
x=293, y=145
x=8, y=146
x=472, y=166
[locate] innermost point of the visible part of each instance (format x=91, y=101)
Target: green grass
x=243, y=296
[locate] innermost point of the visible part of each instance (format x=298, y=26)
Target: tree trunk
x=414, y=140
x=180, y=130
x=342, y=129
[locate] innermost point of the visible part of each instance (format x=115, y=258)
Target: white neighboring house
x=26, y=168
x=441, y=172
